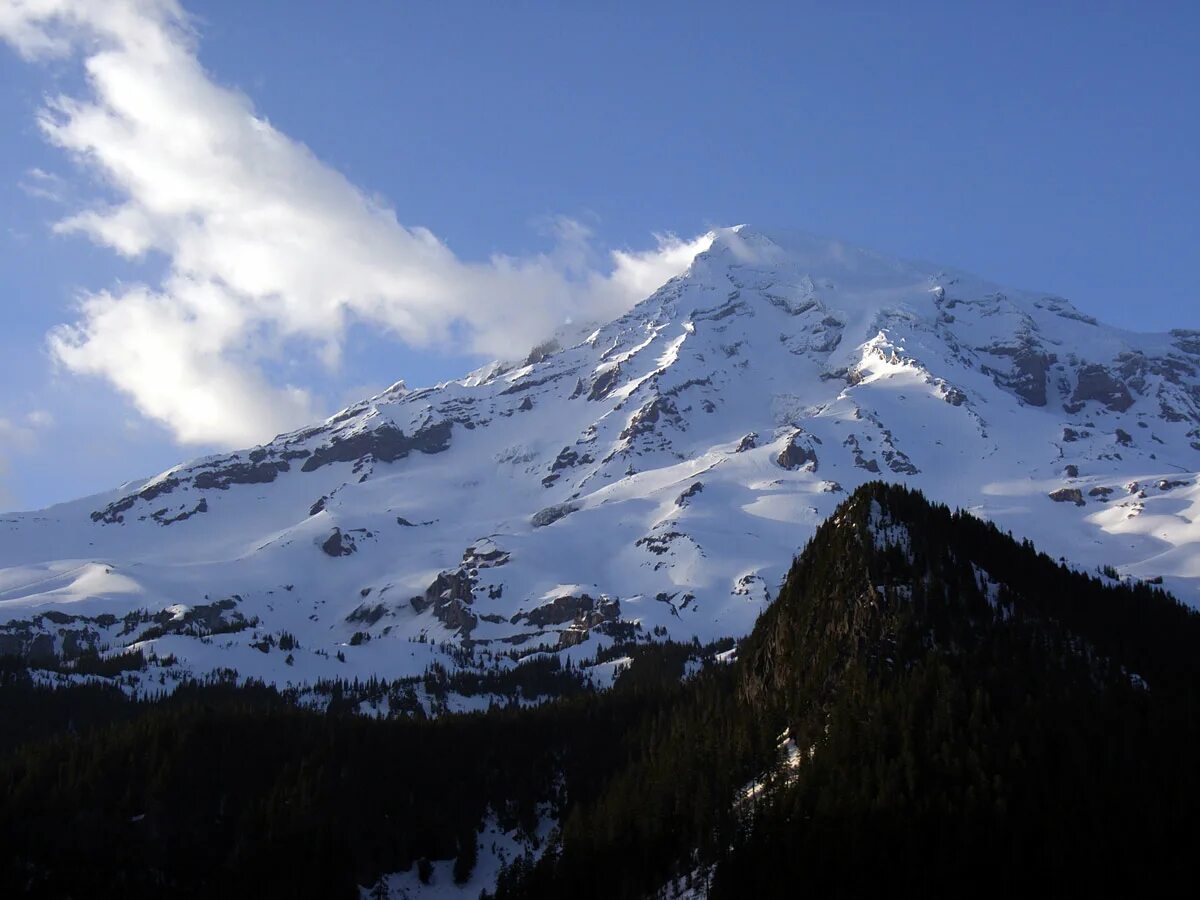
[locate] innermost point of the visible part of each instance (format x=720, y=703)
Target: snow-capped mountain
x=654, y=478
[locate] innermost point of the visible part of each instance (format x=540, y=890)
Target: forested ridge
x=964, y=714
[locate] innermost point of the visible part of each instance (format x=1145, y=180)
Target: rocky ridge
x=652, y=479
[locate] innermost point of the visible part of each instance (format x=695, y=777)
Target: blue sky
x=1050, y=148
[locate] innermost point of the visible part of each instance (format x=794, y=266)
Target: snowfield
x=654, y=479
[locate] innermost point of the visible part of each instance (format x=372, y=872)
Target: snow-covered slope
x=653, y=479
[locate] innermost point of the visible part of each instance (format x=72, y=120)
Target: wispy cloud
x=18, y=435
x=271, y=251
x=44, y=185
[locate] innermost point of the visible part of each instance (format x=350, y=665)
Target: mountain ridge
x=907, y=719
x=925, y=700
x=647, y=480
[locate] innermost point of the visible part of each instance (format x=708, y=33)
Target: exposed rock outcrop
x=450, y=597
x=338, y=544
x=583, y=610
x=240, y=473
x=1027, y=377
x=685, y=498
x=798, y=453
x=1068, y=495
x=387, y=443
x=604, y=383
x=1098, y=384
x=748, y=442
x=567, y=458
x=113, y=514
x=552, y=514
x=164, y=517
x=646, y=418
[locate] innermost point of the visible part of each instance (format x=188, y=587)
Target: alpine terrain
x=645, y=479
x=926, y=704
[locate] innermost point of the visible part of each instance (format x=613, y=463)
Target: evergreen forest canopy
x=928, y=705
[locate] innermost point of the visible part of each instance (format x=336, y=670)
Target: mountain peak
x=648, y=477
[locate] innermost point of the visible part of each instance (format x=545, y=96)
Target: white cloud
x=270, y=250
x=44, y=185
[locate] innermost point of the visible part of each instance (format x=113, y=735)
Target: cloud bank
x=270, y=252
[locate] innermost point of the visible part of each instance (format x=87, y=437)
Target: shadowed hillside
x=928, y=705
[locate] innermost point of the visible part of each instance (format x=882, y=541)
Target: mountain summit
x=652, y=479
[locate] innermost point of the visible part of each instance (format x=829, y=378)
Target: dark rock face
x=552, y=514
x=1097, y=383
x=690, y=383
x=798, y=453
x=1124, y=438
x=898, y=462
x=571, y=637
x=457, y=616
x=748, y=442
x=33, y=640
x=567, y=458
x=1029, y=366
x=584, y=611
x=860, y=460
x=462, y=410
x=1100, y=493
x=1064, y=309
x=529, y=384
x=1068, y=495
x=731, y=307
x=645, y=419
x=211, y=618
x=456, y=585
x=240, y=473
x=1030, y=381
x=163, y=517
x=604, y=383
x=1187, y=340
x=217, y=474
x=658, y=544
x=954, y=396
x=1071, y=471
x=450, y=596
x=684, y=498
x=339, y=544
x=1170, y=413
x=113, y=513
x=485, y=555
x=367, y=613
x=386, y=443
